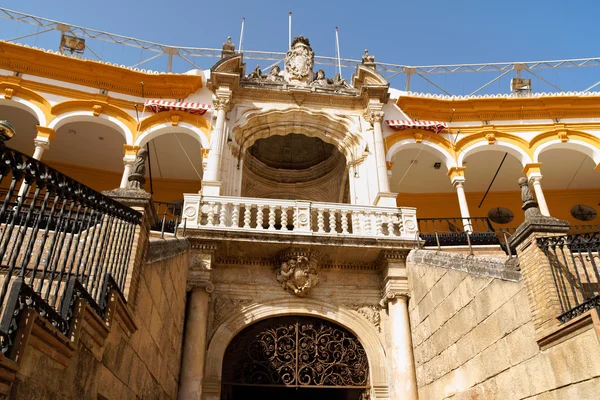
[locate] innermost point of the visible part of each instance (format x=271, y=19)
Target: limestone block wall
x=129, y=360
x=473, y=335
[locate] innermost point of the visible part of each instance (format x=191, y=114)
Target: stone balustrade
x=298, y=217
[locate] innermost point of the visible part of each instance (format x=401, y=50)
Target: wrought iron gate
x=296, y=352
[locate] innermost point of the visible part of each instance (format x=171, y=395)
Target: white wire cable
x=188, y=157
x=411, y=164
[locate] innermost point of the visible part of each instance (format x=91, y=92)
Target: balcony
x=296, y=218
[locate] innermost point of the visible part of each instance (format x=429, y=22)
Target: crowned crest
x=298, y=271
x=299, y=61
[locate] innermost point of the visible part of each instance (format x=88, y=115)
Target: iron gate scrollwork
x=296, y=351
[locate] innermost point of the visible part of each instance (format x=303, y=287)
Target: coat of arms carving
x=298, y=271
x=299, y=61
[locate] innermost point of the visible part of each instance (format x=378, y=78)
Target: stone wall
x=132, y=353
x=473, y=335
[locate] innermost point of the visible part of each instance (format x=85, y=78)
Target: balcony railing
x=298, y=217
x=574, y=261
x=59, y=241
x=457, y=231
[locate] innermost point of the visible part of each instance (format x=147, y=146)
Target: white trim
x=167, y=127
x=570, y=144
x=411, y=144
x=499, y=145
x=88, y=116
x=25, y=105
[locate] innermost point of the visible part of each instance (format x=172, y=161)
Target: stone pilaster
x=401, y=363
x=191, y=382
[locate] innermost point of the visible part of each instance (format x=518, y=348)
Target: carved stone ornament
x=491, y=138
x=224, y=306
x=371, y=312
x=299, y=61
x=298, y=271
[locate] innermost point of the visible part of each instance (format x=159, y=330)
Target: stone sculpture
x=137, y=180
x=256, y=74
x=299, y=61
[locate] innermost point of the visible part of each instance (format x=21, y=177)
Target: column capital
x=393, y=296
x=532, y=169
x=42, y=142
x=373, y=116
x=457, y=175
x=45, y=132
x=200, y=285
x=130, y=150
x=222, y=99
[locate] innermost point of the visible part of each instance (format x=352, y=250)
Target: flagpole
x=290, y=30
x=241, y=36
x=337, y=41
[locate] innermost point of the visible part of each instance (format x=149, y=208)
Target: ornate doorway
x=295, y=358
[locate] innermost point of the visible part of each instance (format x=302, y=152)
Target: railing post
x=535, y=264
x=302, y=217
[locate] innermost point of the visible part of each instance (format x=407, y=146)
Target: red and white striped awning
x=432, y=126
x=163, y=105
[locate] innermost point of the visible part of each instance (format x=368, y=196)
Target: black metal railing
x=59, y=241
x=168, y=217
x=457, y=231
x=574, y=262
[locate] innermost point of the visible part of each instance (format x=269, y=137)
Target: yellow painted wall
x=445, y=205
x=164, y=189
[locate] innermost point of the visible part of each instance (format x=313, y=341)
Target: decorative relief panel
x=371, y=312
x=298, y=271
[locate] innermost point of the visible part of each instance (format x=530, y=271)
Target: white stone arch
x=499, y=145
x=572, y=144
x=166, y=128
x=359, y=326
x=430, y=147
x=88, y=116
x=26, y=105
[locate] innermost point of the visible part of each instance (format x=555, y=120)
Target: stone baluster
x=223, y=215
x=272, y=217
x=320, y=221
x=368, y=230
x=259, y=217
x=284, y=217
x=332, y=220
x=247, y=215
x=345, y=222
x=355, y=217
x=210, y=218
x=378, y=224
x=235, y=216
x=390, y=224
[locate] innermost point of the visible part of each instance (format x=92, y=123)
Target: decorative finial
x=300, y=39
x=368, y=60
x=228, y=48
x=7, y=131
x=137, y=180
x=530, y=205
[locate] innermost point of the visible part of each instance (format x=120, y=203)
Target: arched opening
x=295, y=357
x=419, y=176
x=491, y=186
x=90, y=152
x=570, y=184
x=295, y=167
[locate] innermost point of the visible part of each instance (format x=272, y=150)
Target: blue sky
x=402, y=32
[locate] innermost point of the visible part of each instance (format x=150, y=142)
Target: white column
x=462, y=203
x=41, y=144
x=382, y=175
x=128, y=162
x=214, y=156
x=194, y=348
x=536, y=181
x=403, y=377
